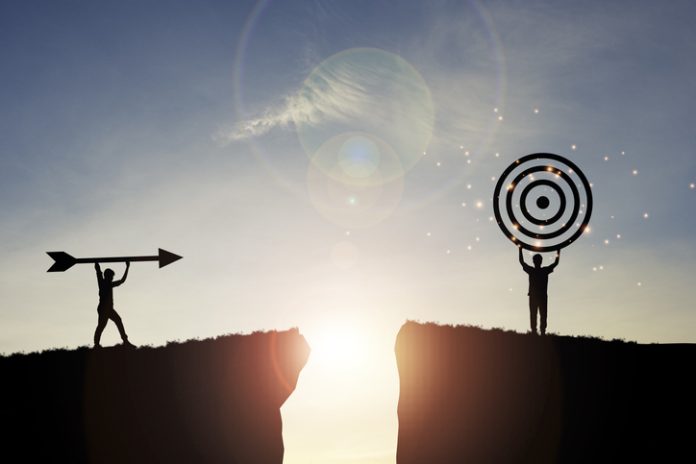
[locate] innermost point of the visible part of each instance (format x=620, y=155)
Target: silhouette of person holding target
x=538, y=285
x=106, y=309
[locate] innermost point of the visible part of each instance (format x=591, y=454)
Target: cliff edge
x=473, y=395
x=209, y=401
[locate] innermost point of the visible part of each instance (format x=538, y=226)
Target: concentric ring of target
x=547, y=202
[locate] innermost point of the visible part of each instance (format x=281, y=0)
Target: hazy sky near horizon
x=128, y=126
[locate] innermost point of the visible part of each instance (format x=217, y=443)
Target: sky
x=330, y=165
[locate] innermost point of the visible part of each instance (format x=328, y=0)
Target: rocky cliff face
x=471, y=395
x=200, y=401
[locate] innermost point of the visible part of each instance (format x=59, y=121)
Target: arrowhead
x=63, y=261
x=166, y=258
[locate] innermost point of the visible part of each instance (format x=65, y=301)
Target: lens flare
x=370, y=91
x=346, y=181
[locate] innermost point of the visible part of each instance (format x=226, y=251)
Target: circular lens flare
x=359, y=156
x=346, y=181
x=370, y=91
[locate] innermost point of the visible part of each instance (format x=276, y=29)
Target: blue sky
x=200, y=127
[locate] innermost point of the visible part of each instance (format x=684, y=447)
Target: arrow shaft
x=121, y=259
x=63, y=261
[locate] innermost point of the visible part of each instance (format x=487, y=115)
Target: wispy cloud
x=361, y=89
x=334, y=94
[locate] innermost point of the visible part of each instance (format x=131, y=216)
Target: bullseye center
x=542, y=202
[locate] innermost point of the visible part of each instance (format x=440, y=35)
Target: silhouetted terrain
x=215, y=400
x=472, y=395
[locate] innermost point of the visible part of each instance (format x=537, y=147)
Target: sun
x=339, y=345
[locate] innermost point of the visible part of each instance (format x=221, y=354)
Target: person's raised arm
x=98, y=271
x=555, y=263
x=125, y=275
x=525, y=266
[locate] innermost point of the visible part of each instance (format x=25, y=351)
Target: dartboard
x=542, y=202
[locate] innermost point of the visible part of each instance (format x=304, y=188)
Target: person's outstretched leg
x=543, y=311
x=113, y=315
x=101, y=323
x=532, y=314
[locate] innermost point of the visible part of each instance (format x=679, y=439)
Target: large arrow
x=64, y=261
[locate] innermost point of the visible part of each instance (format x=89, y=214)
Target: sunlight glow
x=339, y=347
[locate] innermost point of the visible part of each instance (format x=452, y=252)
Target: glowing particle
x=466, y=153
x=438, y=164
x=606, y=158
x=606, y=241
x=463, y=204
x=490, y=218
x=448, y=251
x=500, y=118
x=591, y=185
x=495, y=110
x=692, y=186
x=611, y=217
x=425, y=153
x=573, y=147
x=646, y=215
x=428, y=234
x=468, y=247
x=461, y=147
x=536, y=110
x=493, y=178
x=640, y=284
x=468, y=186
x=618, y=236
x=468, y=161
x=348, y=233
x=497, y=155
x=478, y=239
x=601, y=268
x=594, y=269
x=352, y=201
x=479, y=204
x=634, y=172
x=588, y=229
x=623, y=153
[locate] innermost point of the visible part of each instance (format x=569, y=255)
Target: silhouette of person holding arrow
x=106, y=303
x=538, y=285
